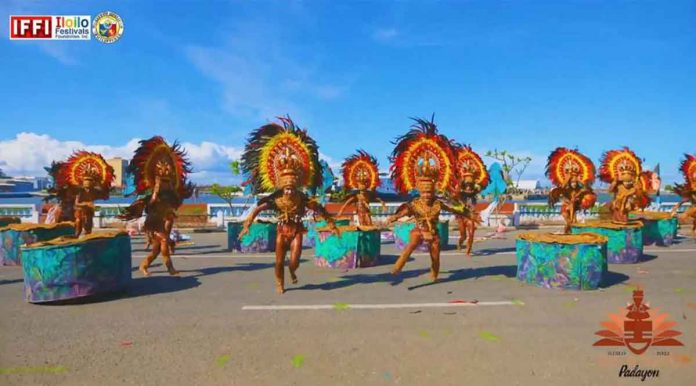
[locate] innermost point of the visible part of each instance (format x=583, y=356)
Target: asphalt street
x=221, y=323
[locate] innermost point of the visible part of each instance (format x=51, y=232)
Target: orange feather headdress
x=361, y=168
x=275, y=154
x=616, y=162
x=469, y=163
x=563, y=163
x=423, y=154
x=688, y=168
x=155, y=157
x=84, y=165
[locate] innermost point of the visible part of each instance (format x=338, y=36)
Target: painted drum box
x=309, y=240
x=69, y=268
x=356, y=247
x=402, y=232
x=548, y=260
x=625, y=240
x=7, y=220
x=261, y=237
x=13, y=236
x=659, y=228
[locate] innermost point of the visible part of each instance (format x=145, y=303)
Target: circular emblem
x=107, y=27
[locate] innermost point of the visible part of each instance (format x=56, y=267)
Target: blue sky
x=524, y=76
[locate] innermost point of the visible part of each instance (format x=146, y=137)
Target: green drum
x=356, y=247
x=13, y=236
x=625, y=240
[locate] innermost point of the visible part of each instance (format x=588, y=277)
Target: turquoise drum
x=13, y=236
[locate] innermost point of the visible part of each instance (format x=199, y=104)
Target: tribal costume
x=361, y=174
x=687, y=190
x=622, y=170
x=473, y=178
x=88, y=178
x=572, y=175
x=282, y=159
x=423, y=160
x=159, y=171
x=65, y=209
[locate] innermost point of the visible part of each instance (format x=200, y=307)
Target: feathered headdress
x=469, y=163
x=617, y=162
x=361, y=169
x=423, y=154
x=563, y=163
x=84, y=165
x=155, y=157
x=275, y=155
x=649, y=181
x=688, y=168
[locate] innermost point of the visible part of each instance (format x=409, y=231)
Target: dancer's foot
x=293, y=277
x=144, y=271
x=172, y=271
x=395, y=272
x=433, y=276
x=280, y=288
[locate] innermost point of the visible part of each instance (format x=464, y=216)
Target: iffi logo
x=639, y=329
x=65, y=27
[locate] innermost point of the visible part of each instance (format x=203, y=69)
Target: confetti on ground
x=335, y=279
x=450, y=313
x=682, y=358
x=630, y=287
x=298, y=361
x=341, y=306
x=387, y=376
x=571, y=303
x=222, y=359
x=126, y=343
x=449, y=292
x=424, y=334
x=415, y=312
x=679, y=290
x=642, y=271
x=692, y=305
x=458, y=301
x=517, y=302
x=33, y=370
x=487, y=335
x=497, y=277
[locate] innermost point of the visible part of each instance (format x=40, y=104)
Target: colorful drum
x=69, y=268
x=547, y=260
x=13, y=236
x=356, y=247
x=625, y=240
x=402, y=232
x=309, y=240
x=659, y=228
x=261, y=237
x=6, y=220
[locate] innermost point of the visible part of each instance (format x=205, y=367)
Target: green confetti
x=497, y=277
x=680, y=290
x=630, y=288
x=424, y=334
x=298, y=361
x=570, y=304
x=33, y=370
x=341, y=306
x=487, y=335
x=222, y=359
x=517, y=302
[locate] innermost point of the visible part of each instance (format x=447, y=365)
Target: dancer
x=282, y=159
x=423, y=160
x=160, y=171
x=88, y=177
x=687, y=190
x=572, y=174
x=64, y=210
x=622, y=170
x=473, y=178
x=361, y=173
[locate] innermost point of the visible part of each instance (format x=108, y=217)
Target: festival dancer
x=361, y=173
x=572, y=174
x=64, y=210
x=622, y=170
x=473, y=178
x=159, y=171
x=687, y=190
x=281, y=160
x=423, y=160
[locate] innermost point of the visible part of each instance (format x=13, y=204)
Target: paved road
x=193, y=330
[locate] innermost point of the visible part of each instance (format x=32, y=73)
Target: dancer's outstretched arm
x=252, y=216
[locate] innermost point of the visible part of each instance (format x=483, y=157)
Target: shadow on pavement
x=348, y=281
x=613, y=278
x=11, y=281
x=646, y=258
x=509, y=271
x=492, y=251
x=237, y=267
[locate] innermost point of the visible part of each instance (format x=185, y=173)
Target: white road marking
x=372, y=306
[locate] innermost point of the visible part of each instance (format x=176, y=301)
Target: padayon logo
x=639, y=329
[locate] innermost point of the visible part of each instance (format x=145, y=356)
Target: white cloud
x=28, y=153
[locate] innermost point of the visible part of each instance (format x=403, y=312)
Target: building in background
x=120, y=166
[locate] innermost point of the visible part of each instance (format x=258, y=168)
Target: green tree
x=234, y=167
x=226, y=193
x=511, y=164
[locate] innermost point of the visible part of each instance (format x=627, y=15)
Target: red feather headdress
x=156, y=153
x=616, y=161
x=85, y=165
x=565, y=162
x=361, y=168
x=273, y=151
x=470, y=163
x=422, y=152
x=646, y=181
x=688, y=168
